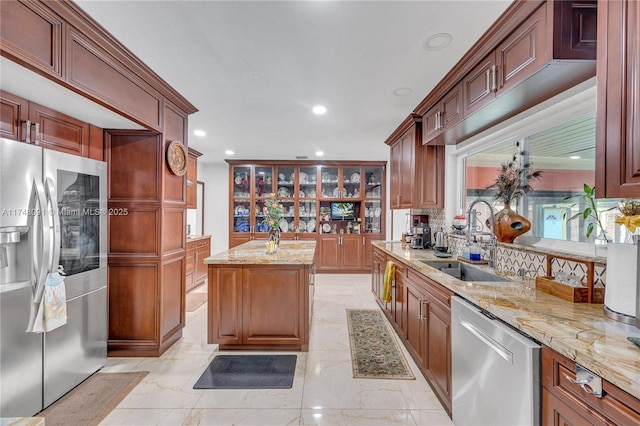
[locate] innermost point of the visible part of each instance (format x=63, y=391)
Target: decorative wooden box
x=586, y=293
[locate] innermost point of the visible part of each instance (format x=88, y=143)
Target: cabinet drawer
x=202, y=243
x=616, y=405
x=438, y=293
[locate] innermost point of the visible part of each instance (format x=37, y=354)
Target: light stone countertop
x=22, y=421
x=299, y=252
x=579, y=331
x=197, y=237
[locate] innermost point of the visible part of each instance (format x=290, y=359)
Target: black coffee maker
x=421, y=237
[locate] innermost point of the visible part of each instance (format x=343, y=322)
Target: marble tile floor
x=324, y=391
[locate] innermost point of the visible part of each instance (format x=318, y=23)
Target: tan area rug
x=92, y=400
x=375, y=354
x=195, y=300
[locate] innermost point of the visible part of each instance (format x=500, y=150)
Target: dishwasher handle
x=486, y=339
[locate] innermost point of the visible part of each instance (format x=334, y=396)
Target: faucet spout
x=491, y=246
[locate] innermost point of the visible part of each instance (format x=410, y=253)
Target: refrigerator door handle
x=52, y=200
x=41, y=245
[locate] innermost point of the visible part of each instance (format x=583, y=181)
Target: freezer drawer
x=78, y=349
x=496, y=370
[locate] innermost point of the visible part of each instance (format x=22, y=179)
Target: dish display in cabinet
x=313, y=196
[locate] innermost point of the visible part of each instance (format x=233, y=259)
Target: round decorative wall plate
x=177, y=158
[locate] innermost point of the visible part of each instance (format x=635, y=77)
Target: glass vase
x=273, y=240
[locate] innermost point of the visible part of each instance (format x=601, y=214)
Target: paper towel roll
x=622, y=266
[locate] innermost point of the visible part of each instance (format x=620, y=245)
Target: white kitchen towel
x=51, y=312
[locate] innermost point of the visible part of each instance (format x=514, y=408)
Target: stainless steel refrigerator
x=52, y=212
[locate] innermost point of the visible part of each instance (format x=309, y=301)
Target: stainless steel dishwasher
x=496, y=370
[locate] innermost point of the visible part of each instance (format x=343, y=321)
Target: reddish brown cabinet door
x=438, y=351
x=414, y=322
x=431, y=164
x=14, y=112
x=225, y=300
x=521, y=54
x=54, y=130
x=328, y=253
x=618, y=118
x=557, y=413
x=478, y=84
x=192, y=181
x=352, y=248
x=444, y=115
x=402, y=170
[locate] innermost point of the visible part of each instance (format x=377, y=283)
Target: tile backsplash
x=533, y=261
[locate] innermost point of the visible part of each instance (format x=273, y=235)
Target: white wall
x=216, y=204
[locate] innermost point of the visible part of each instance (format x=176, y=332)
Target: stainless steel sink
x=462, y=271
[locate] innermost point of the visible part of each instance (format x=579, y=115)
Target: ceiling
x=255, y=69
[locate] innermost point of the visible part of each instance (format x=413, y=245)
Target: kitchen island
x=259, y=301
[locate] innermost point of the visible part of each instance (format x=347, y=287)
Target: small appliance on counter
x=440, y=244
x=421, y=237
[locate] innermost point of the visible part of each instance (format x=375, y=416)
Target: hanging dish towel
x=389, y=275
x=51, y=312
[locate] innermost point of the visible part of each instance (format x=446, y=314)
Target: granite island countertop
x=197, y=237
x=579, y=331
x=299, y=252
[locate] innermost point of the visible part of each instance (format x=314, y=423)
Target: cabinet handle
x=440, y=125
x=420, y=310
x=424, y=301
x=494, y=79
x=37, y=137
x=436, y=126
x=363, y=241
x=489, y=89
x=27, y=131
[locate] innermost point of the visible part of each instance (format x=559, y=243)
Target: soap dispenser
x=475, y=253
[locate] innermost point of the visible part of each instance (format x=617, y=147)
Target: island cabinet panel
x=32, y=35
x=618, y=117
x=260, y=301
x=225, y=305
x=565, y=402
x=273, y=306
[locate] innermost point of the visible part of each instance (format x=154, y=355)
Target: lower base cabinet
x=262, y=307
x=420, y=312
x=196, y=270
x=566, y=403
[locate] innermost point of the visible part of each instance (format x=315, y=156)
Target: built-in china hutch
x=339, y=204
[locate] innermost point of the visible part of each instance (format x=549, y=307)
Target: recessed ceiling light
x=319, y=109
x=402, y=91
x=200, y=133
x=575, y=157
x=437, y=41
x=228, y=152
x=319, y=153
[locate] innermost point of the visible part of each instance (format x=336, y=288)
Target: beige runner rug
x=92, y=400
x=375, y=353
x=195, y=300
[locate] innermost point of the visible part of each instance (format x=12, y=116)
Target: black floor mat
x=249, y=372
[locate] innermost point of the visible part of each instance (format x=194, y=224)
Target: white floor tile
x=324, y=391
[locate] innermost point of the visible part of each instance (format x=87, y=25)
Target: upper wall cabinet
x=533, y=52
x=618, y=108
x=60, y=41
x=43, y=46
x=417, y=170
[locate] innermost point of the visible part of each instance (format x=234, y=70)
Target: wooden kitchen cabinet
x=36, y=124
x=443, y=115
x=566, y=403
x=192, y=178
x=246, y=306
x=196, y=270
x=307, y=190
x=618, y=107
x=417, y=170
x=341, y=252
x=403, y=166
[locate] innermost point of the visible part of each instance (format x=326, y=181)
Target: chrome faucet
x=491, y=245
